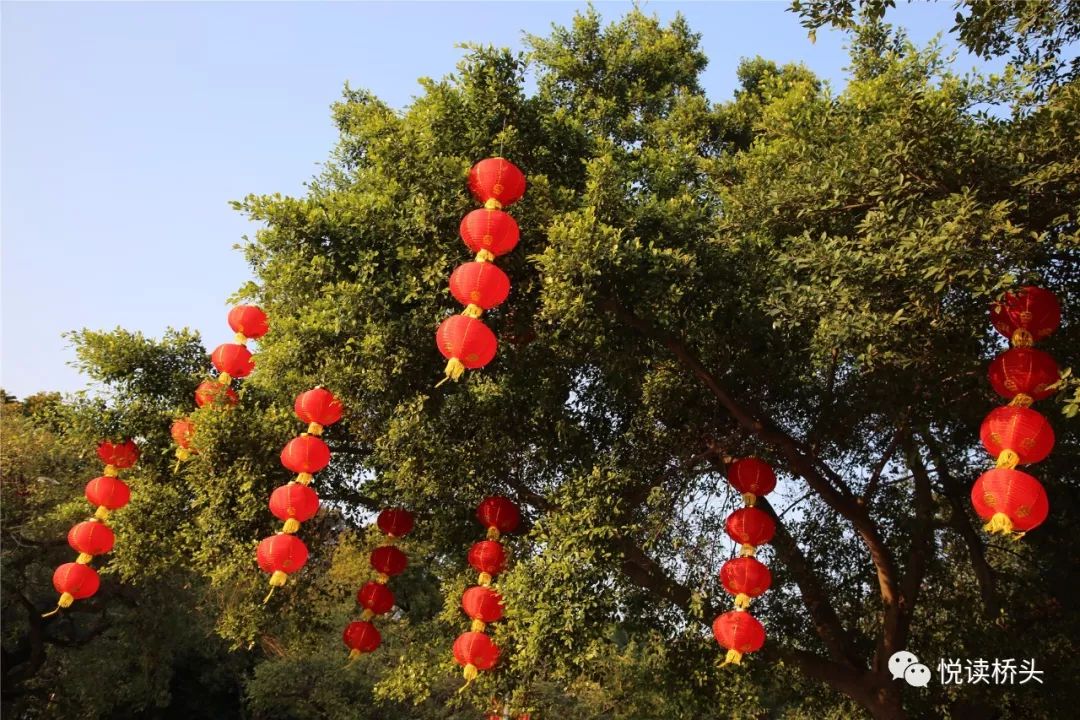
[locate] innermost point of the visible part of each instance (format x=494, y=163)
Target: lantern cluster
x=745, y=577
x=282, y=554
x=375, y=597
x=232, y=360
x=474, y=650
x=1007, y=499
x=464, y=340
x=77, y=580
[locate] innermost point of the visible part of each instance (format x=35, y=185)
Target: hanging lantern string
x=1012, y=502
x=78, y=580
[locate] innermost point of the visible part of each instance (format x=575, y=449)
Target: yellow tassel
x=749, y=499
x=493, y=204
x=183, y=454
x=484, y=579
x=52, y=612
x=478, y=626
x=354, y=654
x=733, y=657
x=999, y=523
x=65, y=600
x=314, y=429
x=102, y=513
x=454, y=370
x=1021, y=400
x=304, y=478
x=483, y=255
x=84, y=558
x=382, y=579
x=493, y=533
x=747, y=550
x=1008, y=459
x=1022, y=338
x=291, y=525
x=366, y=615
x=240, y=338
x=473, y=311
x=110, y=471
x=742, y=601
x=471, y=672
x=224, y=378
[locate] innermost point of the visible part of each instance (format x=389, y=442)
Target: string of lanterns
x=464, y=340
x=283, y=553
x=231, y=360
x=474, y=650
x=1011, y=501
x=77, y=580
x=375, y=597
x=745, y=577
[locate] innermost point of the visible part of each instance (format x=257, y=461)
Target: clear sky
x=127, y=127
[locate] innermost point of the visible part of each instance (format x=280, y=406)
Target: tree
x=794, y=273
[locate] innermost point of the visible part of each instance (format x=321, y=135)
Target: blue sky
x=127, y=127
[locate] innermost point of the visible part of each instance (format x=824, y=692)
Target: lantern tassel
x=493, y=533
x=454, y=371
x=749, y=499
x=110, y=471
x=999, y=523
x=353, y=655
x=224, y=378
x=492, y=204
x=277, y=579
x=291, y=526
x=471, y=672
x=102, y=513
x=473, y=311
x=240, y=338
x=1021, y=400
x=484, y=579
x=483, y=255
x=747, y=550
x=52, y=612
x=733, y=657
x=314, y=428
x=742, y=601
x=478, y=625
x=1022, y=338
x=84, y=558
x=1008, y=459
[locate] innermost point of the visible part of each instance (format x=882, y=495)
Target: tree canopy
x=797, y=273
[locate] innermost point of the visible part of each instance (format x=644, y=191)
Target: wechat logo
x=904, y=665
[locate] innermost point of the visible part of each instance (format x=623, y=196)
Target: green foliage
x=696, y=281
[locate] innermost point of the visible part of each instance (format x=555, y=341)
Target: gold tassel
x=493, y=204
x=1021, y=400
x=291, y=526
x=84, y=558
x=484, y=579
x=742, y=601
x=183, y=454
x=102, y=513
x=382, y=579
x=473, y=311
x=749, y=499
x=478, y=625
x=471, y=673
x=746, y=550
x=314, y=429
x=733, y=657
x=366, y=615
x=110, y=471
x=999, y=523
x=483, y=255
x=278, y=579
x=1022, y=338
x=493, y=533
x=64, y=602
x=240, y=338
x=224, y=378
x=454, y=370
x=1008, y=459
x=304, y=478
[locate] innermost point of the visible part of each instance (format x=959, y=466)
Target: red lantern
x=466, y=342
x=745, y=578
x=1016, y=436
x=75, y=581
x=498, y=513
x=1032, y=311
x=489, y=230
x=751, y=477
x=233, y=360
x=361, y=637
x=479, y=283
x=475, y=651
x=182, y=432
x=395, y=522
x=1024, y=374
x=487, y=557
x=293, y=504
x=496, y=179
x=1009, y=500
x=375, y=597
x=750, y=527
x=305, y=454
x=249, y=321
x=119, y=455
x=281, y=555
x=211, y=392
x=388, y=560
x=91, y=538
x=318, y=406
x=483, y=604
x=739, y=632
x=108, y=492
